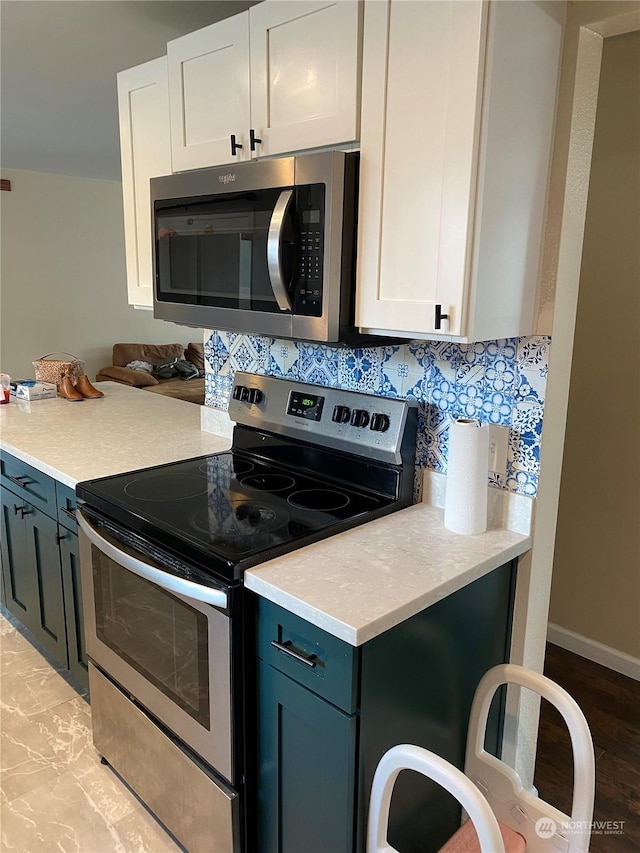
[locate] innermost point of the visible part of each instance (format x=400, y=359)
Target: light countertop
x=355, y=585
x=127, y=429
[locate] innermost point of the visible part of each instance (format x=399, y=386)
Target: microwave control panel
x=307, y=293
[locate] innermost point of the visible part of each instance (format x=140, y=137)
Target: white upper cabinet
x=305, y=73
x=209, y=94
x=145, y=149
x=458, y=107
x=281, y=77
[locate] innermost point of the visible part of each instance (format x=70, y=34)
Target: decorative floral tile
x=470, y=401
x=215, y=352
x=394, y=371
x=316, y=364
x=360, y=369
x=497, y=407
x=533, y=354
x=248, y=352
x=282, y=357
x=526, y=421
x=505, y=348
x=500, y=375
x=432, y=441
x=530, y=387
x=521, y=482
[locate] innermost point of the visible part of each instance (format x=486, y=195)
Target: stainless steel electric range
x=163, y=551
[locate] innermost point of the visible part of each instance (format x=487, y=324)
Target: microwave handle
x=274, y=250
x=162, y=579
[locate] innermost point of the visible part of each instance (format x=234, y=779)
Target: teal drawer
x=66, y=506
x=321, y=662
x=28, y=483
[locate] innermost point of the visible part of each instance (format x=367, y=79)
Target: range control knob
x=254, y=395
x=359, y=418
x=379, y=422
x=341, y=414
x=241, y=392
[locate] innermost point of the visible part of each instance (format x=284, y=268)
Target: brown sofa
x=191, y=390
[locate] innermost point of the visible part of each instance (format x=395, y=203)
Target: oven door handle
x=274, y=250
x=163, y=579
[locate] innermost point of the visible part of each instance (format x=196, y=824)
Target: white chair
x=407, y=757
x=524, y=821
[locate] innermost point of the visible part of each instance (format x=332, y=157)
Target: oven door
x=164, y=640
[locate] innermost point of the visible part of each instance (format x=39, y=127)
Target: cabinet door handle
x=69, y=512
x=60, y=537
x=20, y=509
x=287, y=649
x=253, y=139
x=440, y=317
x=235, y=146
x=23, y=482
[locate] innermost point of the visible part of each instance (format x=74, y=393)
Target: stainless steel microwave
x=265, y=247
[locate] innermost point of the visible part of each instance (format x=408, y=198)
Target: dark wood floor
x=611, y=704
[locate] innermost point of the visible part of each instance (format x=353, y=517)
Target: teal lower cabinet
x=327, y=712
x=40, y=565
x=31, y=570
x=307, y=776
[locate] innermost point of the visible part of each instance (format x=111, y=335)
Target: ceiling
x=58, y=66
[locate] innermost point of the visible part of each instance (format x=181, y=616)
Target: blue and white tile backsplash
x=501, y=382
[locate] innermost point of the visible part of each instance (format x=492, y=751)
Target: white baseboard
x=592, y=650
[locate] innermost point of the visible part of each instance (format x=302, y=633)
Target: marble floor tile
x=55, y=794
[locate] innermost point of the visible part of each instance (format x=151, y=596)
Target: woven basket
x=49, y=369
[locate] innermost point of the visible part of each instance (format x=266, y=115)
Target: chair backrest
x=407, y=757
x=544, y=827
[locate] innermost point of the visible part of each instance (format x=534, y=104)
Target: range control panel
x=331, y=417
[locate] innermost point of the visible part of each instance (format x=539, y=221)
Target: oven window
x=161, y=637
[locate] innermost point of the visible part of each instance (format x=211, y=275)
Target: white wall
x=62, y=284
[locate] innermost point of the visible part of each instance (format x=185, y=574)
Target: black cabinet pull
x=68, y=512
x=253, y=139
x=287, y=649
x=20, y=509
x=440, y=317
x=235, y=146
x=60, y=537
x=23, y=482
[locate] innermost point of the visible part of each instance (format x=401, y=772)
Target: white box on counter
x=35, y=391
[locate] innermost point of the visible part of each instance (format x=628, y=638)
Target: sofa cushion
x=195, y=354
x=153, y=353
x=126, y=375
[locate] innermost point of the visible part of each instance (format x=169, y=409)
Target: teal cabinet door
x=19, y=582
x=31, y=568
x=70, y=563
x=307, y=758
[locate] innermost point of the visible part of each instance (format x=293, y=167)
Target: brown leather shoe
x=86, y=388
x=66, y=389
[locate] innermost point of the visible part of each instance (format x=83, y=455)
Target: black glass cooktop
x=230, y=508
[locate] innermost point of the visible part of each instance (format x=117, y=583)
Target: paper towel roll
x=465, y=506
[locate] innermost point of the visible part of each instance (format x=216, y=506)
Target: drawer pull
x=23, y=510
x=69, y=512
x=23, y=481
x=287, y=649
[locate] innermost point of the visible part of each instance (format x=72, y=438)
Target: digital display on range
x=308, y=406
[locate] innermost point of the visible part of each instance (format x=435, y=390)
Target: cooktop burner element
x=299, y=470
x=160, y=487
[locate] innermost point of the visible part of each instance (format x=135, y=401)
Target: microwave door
x=278, y=240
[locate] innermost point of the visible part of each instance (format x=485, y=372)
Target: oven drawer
x=201, y=812
x=312, y=657
x=28, y=483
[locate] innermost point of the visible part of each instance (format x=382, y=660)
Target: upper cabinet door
x=145, y=148
x=209, y=94
x=305, y=73
x=420, y=102
x=458, y=107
